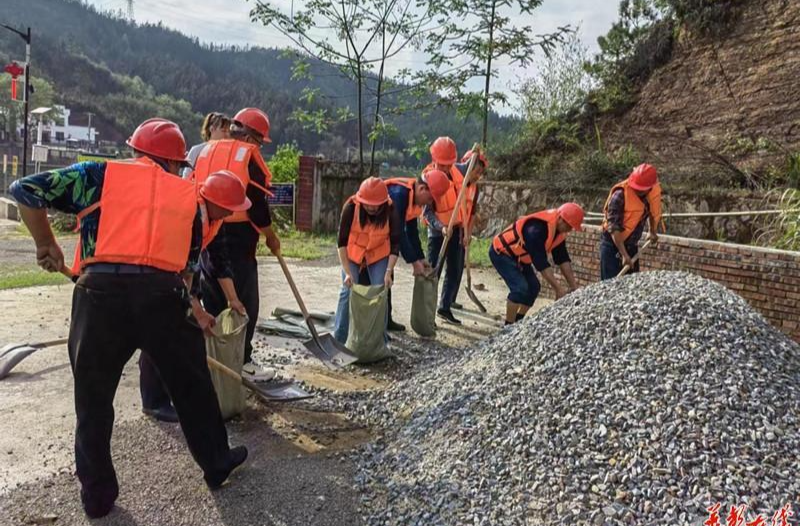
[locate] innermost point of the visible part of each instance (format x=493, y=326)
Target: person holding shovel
x=229, y=265
x=444, y=155
x=140, y=234
x=470, y=203
x=369, y=239
x=631, y=205
x=526, y=244
x=409, y=196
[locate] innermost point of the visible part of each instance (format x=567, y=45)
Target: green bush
x=285, y=164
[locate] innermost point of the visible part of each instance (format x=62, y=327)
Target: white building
x=59, y=130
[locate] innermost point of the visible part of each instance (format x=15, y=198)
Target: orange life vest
x=210, y=228
x=446, y=203
x=634, y=207
x=413, y=211
x=233, y=155
x=469, y=201
x=367, y=243
x=146, y=217
x=511, y=243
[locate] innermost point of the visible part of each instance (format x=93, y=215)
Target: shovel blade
x=280, y=391
x=475, y=300
x=12, y=357
x=332, y=353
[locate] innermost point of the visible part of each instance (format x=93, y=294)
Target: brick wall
x=768, y=279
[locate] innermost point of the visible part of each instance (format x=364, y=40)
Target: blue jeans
x=611, y=261
x=522, y=282
x=376, y=273
x=454, y=261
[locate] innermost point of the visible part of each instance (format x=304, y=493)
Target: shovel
x=472, y=296
x=13, y=353
x=462, y=194
x=275, y=391
x=325, y=347
x=634, y=259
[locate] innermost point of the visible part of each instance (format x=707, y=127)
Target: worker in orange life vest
x=471, y=201
x=140, y=240
x=444, y=156
x=631, y=205
x=526, y=244
x=229, y=265
x=369, y=239
x=409, y=196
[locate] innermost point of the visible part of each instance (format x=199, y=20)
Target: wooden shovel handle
x=634, y=259
x=462, y=193
x=298, y=298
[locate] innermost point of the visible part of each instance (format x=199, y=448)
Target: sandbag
x=369, y=310
x=423, y=305
x=227, y=347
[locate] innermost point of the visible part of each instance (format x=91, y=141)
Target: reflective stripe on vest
x=210, y=228
x=634, y=207
x=369, y=243
x=146, y=217
x=233, y=155
x=446, y=203
x=511, y=243
x=412, y=210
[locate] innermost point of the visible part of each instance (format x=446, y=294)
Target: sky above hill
x=228, y=22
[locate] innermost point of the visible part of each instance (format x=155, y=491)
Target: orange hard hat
x=443, y=151
x=437, y=182
x=643, y=177
x=573, y=214
x=160, y=138
x=225, y=190
x=372, y=192
x=482, y=158
x=256, y=120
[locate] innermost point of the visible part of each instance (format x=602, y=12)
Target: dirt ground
x=299, y=472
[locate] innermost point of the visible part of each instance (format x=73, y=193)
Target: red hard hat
x=482, y=158
x=437, y=182
x=160, y=138
x=256, y=120
x=443, y=151
x=643, y=178
x=573, y=214
x=225, y=190
x=372, y=192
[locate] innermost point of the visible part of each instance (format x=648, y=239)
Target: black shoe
x=162, y=414
x=238, y=455
x=395, y=327
x=100, y=505
x=448, y=316
x=456, y=305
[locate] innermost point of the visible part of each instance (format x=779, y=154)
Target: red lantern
x=15, y=70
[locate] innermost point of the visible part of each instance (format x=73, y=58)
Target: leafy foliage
x=285, y=164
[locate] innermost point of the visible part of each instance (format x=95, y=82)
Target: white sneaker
x=255, y=373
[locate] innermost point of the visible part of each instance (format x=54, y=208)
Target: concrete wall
x=768, y=279
x=502, y=202
x=323, y=187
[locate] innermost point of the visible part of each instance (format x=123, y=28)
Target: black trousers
x=112, y=316
x=245, y=279
x=454, y=265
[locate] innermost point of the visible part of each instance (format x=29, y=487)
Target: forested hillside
x=124, y=73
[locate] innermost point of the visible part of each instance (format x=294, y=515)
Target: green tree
x=43, y=95
x=559, y=85
x=285, y=164
x=472, y=36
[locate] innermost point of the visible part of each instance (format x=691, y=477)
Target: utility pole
x=27, y=96
x=89, y=128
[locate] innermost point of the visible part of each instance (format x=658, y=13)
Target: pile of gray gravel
x=637, y=401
